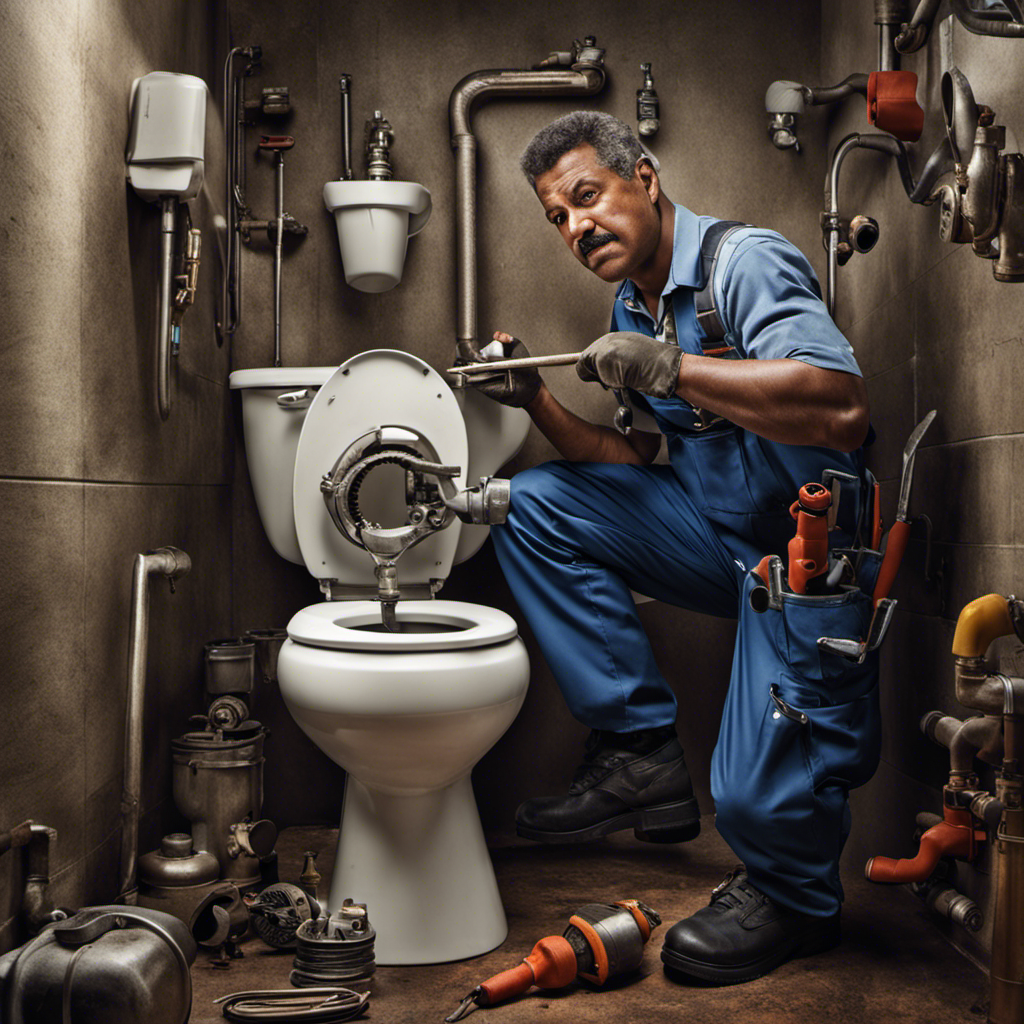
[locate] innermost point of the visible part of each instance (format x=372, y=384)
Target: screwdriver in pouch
x=808, y=550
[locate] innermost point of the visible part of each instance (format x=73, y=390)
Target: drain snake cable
x=321, y=1005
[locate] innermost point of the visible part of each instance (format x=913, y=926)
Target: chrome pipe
x=228, y=322
x=473, y=89
x=173, y=564
x=168, y=210
x=345, y=85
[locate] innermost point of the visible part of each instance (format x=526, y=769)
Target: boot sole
x=819, y=941
x=664, y=823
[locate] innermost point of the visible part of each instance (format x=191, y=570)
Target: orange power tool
x=603, y=941
x=808, y=550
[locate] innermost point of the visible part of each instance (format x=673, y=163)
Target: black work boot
x=634, y=780
x=742, y=934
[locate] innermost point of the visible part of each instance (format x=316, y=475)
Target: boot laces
x=598, y=761
x=735, y=891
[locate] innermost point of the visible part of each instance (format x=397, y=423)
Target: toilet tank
x=272, y=430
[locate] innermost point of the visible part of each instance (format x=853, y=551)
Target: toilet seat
x=375, y=389
x=336, y=625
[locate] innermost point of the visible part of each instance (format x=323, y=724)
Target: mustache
x=591, y=242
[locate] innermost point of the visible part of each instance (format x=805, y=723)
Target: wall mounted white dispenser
x=165, y=153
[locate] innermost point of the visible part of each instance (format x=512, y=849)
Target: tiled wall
x=712, y=62
x=933, y=330
x=89, y=474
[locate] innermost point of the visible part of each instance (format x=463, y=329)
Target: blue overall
x=800, y=726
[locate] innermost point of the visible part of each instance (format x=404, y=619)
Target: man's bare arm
x=782, y=400
x=580, y=441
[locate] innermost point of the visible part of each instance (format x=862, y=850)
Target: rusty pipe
x=467, y=94
x=980, y=737
x=171, y=563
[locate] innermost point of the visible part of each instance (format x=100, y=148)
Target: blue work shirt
x=770, y=304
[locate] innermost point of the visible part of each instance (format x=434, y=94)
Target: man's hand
x=627, y=360
x=516, y=388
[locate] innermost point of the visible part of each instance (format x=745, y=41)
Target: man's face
x=611, y=225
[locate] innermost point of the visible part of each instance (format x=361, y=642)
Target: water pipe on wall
x=172, y=564
x=999, y=18
x=579, y=72
x=971, y=814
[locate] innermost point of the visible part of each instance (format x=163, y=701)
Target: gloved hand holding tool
x=508, y=386
x=603, y=941
x=623, y=359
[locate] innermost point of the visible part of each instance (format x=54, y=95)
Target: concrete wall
x=932, y=330
x=712, y=62
x=89, y=474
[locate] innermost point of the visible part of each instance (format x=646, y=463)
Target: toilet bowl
x=407, y=713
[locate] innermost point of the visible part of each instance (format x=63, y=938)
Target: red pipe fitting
x=955, y=836
x=893, y=106
x=808, y=550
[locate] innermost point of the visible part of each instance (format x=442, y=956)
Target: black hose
x=831, y=93
x=988, y=23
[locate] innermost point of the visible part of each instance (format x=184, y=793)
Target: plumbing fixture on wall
x=36, y=903
x=375, y=218
x=998, y=18
x=165, y=154
x=972, y=815
x=240, y=113
x=579, y=72
x=172, y=564
x=648, y=116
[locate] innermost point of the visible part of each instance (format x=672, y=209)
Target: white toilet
x=409, y=713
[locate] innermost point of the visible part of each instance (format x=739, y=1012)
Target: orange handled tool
x=808, y=550
x=602, y=941
x=899, y=532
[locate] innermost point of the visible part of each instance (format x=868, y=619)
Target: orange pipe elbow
x=949, y=838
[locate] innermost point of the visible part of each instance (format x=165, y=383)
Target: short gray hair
x=613, y=140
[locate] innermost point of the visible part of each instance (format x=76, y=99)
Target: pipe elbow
x=939, y=841
x=983, y=620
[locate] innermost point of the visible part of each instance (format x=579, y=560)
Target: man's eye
x=587, y=196
x=558, y=219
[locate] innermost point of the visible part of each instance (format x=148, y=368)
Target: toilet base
x=421, y=866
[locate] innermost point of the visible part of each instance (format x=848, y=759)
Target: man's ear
x=648, y=178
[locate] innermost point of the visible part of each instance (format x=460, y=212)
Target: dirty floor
x=892, y=965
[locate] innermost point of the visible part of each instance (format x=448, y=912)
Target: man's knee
x=535, y=492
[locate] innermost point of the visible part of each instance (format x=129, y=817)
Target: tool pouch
x=800, y=728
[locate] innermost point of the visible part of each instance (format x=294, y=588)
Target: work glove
x=515, y=388
x=623, y=359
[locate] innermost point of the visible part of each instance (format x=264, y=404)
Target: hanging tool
x=647, y=114
x=857, y=650
x=808, y=550
x=603, y=941
x=899, y=532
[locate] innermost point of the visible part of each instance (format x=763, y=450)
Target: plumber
x=748, y=419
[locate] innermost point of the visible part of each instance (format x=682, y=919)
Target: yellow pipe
x=983, y=620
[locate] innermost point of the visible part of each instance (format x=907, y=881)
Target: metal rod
x=345, y=84
x=278, y=253
x=172, y=563
x=168, y=208
x=229, y=284
x=529, y=363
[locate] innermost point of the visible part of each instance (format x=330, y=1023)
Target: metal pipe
x=173, y=564
x=473, y=89
x=345, y=84
x=986, y=23
x=914, y=34
x=881, y=143
x=230, y=284
x=168, y=209
x=278, y=255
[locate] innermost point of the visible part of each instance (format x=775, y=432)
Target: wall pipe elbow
x=986, y=23
x=946, y=839
x=467, y=94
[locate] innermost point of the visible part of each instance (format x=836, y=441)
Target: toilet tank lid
x=281, y=377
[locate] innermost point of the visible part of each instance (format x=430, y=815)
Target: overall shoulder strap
x=708, y=318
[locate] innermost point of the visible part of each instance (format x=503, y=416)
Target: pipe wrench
x=899, y=532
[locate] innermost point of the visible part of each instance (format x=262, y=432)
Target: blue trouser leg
x=578, y=537
x=800, y=728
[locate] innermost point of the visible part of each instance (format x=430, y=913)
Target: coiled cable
x=321, y=1005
